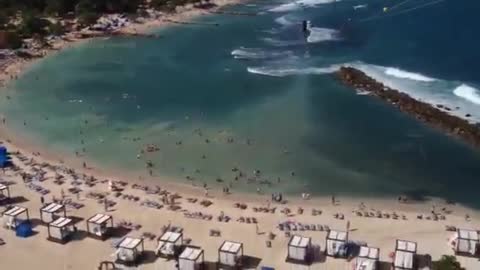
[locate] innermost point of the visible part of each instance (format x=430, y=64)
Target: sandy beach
x=430, y=234
x=251, y=219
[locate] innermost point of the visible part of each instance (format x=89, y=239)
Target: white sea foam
x=359, y=6
x=402, y=74
x=299, y=4
x=255, y=53
x=468, y=93
x=282, y=72
x=284, y=20
x=318, y=34
x=281, y=43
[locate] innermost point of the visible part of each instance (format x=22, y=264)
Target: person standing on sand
x=105, y=204
x=333, y=200
x=42, y=200
x=62, y=194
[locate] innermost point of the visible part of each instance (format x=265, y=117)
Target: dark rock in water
x=468, y=115
x=420, y=110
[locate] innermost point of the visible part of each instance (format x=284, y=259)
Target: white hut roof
x=230, y=247
x=406, y=246
x=369, y=252
x=99, y=219
x=60, y=222
x=468, y=234
x=15, y=211
x=403, y=259
x=3, y=187
x=337, y=235
x=299, y=241
x=191, y=254
x=129, y=243
x=52, y=208
x=170, y=237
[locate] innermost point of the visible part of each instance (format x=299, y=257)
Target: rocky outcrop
x=435, y=116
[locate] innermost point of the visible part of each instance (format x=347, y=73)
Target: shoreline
x=436, y=116
x=19, y=65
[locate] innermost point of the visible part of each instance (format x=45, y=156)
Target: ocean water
x=256, y=93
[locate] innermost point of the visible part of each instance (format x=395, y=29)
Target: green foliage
x=56, y=29
x=87, y=18
x=447, y=263
x=32, y=25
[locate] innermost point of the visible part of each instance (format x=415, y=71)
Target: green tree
x=56, y=29
x=88, y=18
x=33, y=25
x=447, y=263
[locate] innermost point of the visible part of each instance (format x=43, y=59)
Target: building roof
x=15, y=211
x=60, y=222
x=3, y=187
x=129, y=243
x=299, y=241
x=170, y=237
x=191, y=253
x=231, y=247
x=99, y=219
x=467, y=234
x=369, y=252
x=52, y=208
x=337, y=235
x=406, y=246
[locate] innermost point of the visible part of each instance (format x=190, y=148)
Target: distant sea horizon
x=256, y=95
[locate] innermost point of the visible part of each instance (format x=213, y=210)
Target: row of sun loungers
x=39, y=189
x=247, y=220
x=198, y=215
x=129, y=225
x=293, y=226
x=151, y=204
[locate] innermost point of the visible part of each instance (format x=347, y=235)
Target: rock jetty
x=422, y=111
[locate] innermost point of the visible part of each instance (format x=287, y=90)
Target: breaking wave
x=255, y=53
x=402, y=74
x=299, y=4
x=468, y=93
x=318, y=34
x=285, y=20
x=282, y=72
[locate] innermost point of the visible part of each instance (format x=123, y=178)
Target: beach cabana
x=404, y=257
x=15, y=216
x=169, y=244
x=335, y=244
x=367, y=259
x=4, y=194
x=50, y=212
x=60, y=230
x=100, y=226
x=129, y=250
x=299, y=249
x=192, y=258
x=230, y=255
x=465, y=242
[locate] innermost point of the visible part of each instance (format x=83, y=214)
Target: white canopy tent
x=13, y=216
x=230, y=254
x=367, y=259
x=169, y=243
x=299, y=248
x=99, y=226
x=335, y=240
x=49, y=212
x=4, y=193
x=191, y=259
x=60, y=229
x=129, y=250
x=465, y=241
x=404, y=257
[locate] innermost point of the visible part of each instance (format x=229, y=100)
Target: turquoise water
x=259, y=83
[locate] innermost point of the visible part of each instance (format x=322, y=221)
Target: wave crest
x=468, y=93
x=402, y=74
x=300, y=4
x=283, y=72
x=255, y=53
